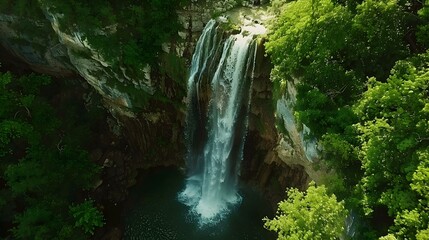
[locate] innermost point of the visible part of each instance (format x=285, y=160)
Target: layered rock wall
x=276, y=157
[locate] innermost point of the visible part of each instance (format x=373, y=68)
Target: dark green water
x=154, y=213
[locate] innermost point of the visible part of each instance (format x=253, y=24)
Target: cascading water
x=215, y=134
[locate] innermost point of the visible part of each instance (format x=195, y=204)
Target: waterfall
x=221, y=74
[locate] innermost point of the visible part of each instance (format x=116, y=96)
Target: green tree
x=42, y=163
x=378, y=34
x=332, y=49
x=394, y=135
x=375, y=139
x=309, y=215
x=423, y=27
x=87, y=216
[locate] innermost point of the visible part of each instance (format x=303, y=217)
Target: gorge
x=196, y=119
x=228, y=56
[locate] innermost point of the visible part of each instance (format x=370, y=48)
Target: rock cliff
x=149, y=107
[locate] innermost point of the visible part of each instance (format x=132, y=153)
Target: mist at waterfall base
x=216, y=127
x=208, y=203
x=153, y=212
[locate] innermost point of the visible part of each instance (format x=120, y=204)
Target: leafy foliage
x=42, y=165
x=394, y=135
x=126, y=33
x=311, y=215
x=363, y=91
x=423, y=27
x=87, y=216
x=333, y=49
x=129, y=33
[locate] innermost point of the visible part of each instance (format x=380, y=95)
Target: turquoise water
x=154, y=213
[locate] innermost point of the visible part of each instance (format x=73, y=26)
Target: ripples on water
x=154, y=213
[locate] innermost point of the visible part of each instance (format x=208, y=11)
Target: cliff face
x=33, y=42
x=149, y=110
x=279, y=152
x=50, y=49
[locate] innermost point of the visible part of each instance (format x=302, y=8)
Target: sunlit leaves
x=376, y=137
x=308, y=215
x=423, y=234
x=333, y=48
x=420, y=178
x=394, y=135
x=372, y=15
x=306, y=33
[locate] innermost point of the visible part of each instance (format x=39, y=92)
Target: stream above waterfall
x=153, y=212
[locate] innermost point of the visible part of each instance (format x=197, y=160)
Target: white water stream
x=215, y=137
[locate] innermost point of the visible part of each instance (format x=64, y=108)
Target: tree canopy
x=310, y=215
x=394, y=136
x=361, y=70
x=42, y=165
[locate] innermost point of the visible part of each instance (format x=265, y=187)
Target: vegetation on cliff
x=129, y=33
x=363, y=70
x=364, y=77
x=121, y=44
x=313, y=215
x=44, y=169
